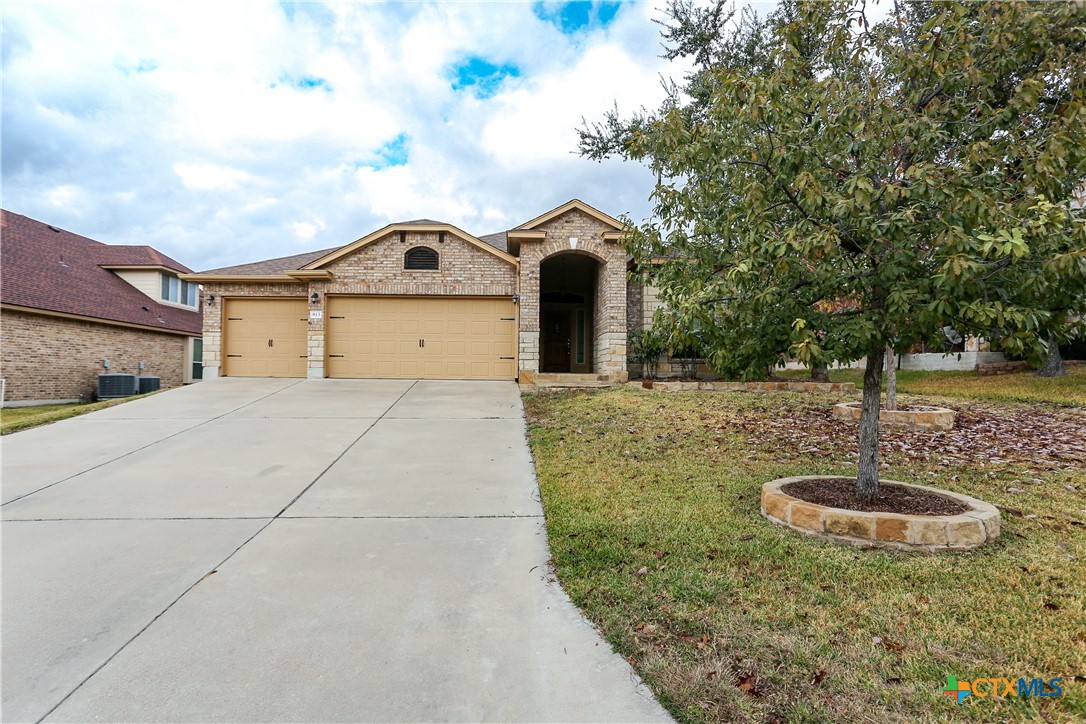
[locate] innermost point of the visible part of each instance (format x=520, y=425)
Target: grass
x=1017, y=387
x=652, y=508
x=14, y=419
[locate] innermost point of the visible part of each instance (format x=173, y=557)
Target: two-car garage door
x=428, y=337
x=391, y=337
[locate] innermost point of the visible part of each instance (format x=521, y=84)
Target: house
x=425, y=299
x=70, y=305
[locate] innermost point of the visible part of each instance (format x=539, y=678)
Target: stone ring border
x=978, y=525
x=930, y=418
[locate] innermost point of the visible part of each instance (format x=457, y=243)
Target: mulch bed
x=841, y=493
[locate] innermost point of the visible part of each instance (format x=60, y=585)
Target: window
x=580, y=336
x=175, y=290
x=420, y=257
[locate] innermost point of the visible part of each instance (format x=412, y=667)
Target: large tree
x=832, y=187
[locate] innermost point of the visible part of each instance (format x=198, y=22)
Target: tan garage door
x=451, y=338
x=265, y=337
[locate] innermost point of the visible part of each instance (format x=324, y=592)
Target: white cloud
x=63, y=195
x=208, y=176
x=230, y=132
x=538, y=123
x=306, y=229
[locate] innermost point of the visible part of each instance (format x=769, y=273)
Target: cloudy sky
x=229, y=132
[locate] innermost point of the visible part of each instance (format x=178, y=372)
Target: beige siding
x=148, y=282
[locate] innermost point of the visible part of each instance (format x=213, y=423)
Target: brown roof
x=55, y=270
x=142, y=256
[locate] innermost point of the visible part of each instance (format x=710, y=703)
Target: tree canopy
x=829, y=186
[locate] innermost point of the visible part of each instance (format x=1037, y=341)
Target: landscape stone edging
x=728, y=386
x=980, y=523
x=933, y=418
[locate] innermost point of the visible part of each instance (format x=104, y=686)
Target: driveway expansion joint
x=150, y=444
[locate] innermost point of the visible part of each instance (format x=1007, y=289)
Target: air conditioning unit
x=112, y=386
x=149, y=384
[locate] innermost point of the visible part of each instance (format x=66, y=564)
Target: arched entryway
x=568, y=301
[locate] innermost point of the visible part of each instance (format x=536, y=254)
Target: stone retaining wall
x=978, y=525
x=726, y=386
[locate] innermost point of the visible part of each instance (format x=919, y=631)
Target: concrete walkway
x=286, y=550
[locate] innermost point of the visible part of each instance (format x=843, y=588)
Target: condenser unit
x=149, y=384
x=112, y=386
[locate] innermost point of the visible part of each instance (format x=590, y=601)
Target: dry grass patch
x=652, y=505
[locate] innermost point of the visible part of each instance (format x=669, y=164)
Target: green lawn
x=13, y=419
x=652, y=505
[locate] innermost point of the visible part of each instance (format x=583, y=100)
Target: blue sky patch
x=143, y=65
x=304, y=82
x=393, y=153
x=481, y=76
x=573, y=17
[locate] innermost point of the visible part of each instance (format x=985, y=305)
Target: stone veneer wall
x=609, y=343
x=48, y=358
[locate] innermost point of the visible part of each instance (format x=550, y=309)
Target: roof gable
x=569, y=206
x=49, y=269
x=408, y=226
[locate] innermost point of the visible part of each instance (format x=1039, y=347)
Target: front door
x=557, y=340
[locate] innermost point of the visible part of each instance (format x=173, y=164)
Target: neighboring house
x=425, y=299
x=69, y=303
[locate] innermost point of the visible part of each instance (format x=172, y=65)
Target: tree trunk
x=820, y=373
x=1053, y=366
x=867, y=484
x=891, y=379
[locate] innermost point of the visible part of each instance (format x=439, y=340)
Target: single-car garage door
x=453, y=338
x=265, y=337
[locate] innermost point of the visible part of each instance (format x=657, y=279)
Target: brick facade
x=465, y=269
x=50, y=358
x=377, y=268
x=576, y=232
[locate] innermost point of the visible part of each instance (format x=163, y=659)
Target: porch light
x=314, y=297
x=516, y=299
x=210, y=299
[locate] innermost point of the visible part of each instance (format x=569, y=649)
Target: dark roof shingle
x=55, y=270
x=499, y=241
x=273, y=266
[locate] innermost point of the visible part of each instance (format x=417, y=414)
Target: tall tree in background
x=829, y=187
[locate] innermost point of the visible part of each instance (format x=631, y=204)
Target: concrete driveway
x=285, y=550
